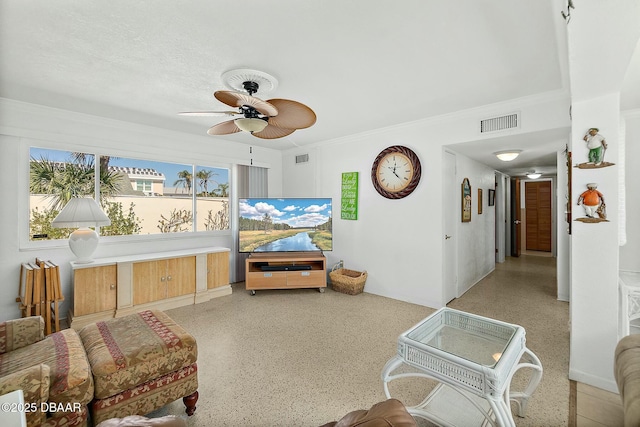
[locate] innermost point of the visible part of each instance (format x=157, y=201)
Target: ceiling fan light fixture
x=507, y=155
x=251, y=124
x=533, y=175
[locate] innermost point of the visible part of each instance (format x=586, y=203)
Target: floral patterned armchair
x=52, y=371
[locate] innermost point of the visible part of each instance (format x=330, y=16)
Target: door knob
x=517, y=221
x=447, y=236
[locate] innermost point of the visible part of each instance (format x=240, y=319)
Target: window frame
x=25, y=243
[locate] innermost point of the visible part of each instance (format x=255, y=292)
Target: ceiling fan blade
x=224, y=128
x=273, y=132
x=237, y=99
x=291, y=114
x=209, y=113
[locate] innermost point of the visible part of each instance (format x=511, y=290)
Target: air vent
x=495, y=124
x=302, y=158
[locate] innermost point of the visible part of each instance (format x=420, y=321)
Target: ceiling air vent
x=302, y=158
x=495, y=124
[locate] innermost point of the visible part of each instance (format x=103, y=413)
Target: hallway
x=523, y=291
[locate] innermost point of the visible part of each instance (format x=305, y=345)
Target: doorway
x=538, y=216
x=450, y=285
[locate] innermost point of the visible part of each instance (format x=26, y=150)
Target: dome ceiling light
x=507, y=155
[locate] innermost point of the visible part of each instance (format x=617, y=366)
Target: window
x=143, y=185
x=141, y=197
x=212, y=198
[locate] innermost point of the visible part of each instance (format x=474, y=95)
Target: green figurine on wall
x=597, y=146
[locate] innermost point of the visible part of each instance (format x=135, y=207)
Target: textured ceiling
x=359, y=65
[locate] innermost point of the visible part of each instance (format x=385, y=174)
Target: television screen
x=285, y=225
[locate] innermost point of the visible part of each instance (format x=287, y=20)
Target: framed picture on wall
x=479, y=201
x=492, y=197
x=466, y=200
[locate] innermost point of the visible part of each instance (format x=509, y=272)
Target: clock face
x=396, y=172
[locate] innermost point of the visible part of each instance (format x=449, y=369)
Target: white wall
x=562, y=228
x=400, y=242
x=476, y=239
x=22, y=125
x=630, y=252
x=594, y=247
x=594, y=251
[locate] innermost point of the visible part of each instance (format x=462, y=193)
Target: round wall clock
x=396, y=172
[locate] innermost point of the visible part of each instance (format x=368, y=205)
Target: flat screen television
x=285, y=225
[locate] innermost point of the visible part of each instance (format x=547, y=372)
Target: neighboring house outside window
x=138, y=200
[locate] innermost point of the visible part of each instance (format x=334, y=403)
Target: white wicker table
x=474, y=359
x=629, y=282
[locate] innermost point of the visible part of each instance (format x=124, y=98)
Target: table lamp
x=83, y=213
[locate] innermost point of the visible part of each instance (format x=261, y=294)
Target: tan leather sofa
x=389, y=413
x=627, y=374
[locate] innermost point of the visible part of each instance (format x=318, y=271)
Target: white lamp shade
x=81, y=212
x=534, y=175
x=251, y=125
x=508, y=155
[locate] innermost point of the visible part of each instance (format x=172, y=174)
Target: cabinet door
x=217, y=269
x=94, y=289
x=149, y=281
x=181, y=276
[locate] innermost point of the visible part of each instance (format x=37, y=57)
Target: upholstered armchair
x=53, y=372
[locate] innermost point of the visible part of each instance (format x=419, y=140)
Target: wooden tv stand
x=286, y=270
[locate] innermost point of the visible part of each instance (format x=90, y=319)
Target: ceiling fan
x=270, y=119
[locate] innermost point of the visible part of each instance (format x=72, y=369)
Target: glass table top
x=630, y=278
x=476, y=339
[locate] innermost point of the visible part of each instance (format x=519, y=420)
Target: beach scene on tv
x=285, y=225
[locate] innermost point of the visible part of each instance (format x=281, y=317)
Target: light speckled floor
x=303, y=358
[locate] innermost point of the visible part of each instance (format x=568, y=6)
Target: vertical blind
x=252, y=182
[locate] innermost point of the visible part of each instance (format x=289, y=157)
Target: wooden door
x=181, y=276
x=149, y=281
x=217, y=269
x=94, y=289
x=538, y=215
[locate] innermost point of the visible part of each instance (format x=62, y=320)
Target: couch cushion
x=62, y=352
x=389, y=413
x=18, y=333
x=34, y=383
x=140, y=421
x=627, y=374
x=128, y=351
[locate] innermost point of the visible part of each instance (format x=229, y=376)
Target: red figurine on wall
x=593, y=202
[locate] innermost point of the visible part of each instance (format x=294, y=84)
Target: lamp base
x=83, y=243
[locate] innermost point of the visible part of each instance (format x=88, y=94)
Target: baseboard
x=605, y=384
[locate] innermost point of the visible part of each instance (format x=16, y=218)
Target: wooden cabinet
x=167, y=278
x=217, y=269
x=285, y=271
x=95, y=290
x=115, y=287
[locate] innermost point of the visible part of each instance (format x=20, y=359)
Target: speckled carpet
x=304, y=358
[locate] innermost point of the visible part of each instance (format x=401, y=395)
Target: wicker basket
x=347, y=281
